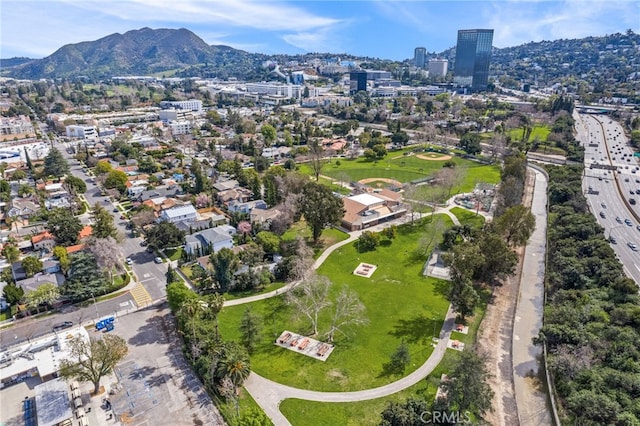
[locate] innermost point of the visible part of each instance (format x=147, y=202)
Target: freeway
x=612, y=187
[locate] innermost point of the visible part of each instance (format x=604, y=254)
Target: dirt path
x=391, y=181
x=496, y=335
x=438, y=158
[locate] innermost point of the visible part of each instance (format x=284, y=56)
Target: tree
x=466, y=387
x=31, y=265
x=106, y=252
x=225, y=263
x=320, y=208
x=92, y=360
x=171, y=275
x=502, y=261
x=464, y=260
x=448, y=178
x=63, y=257
x=177, y=294
x=309, y=298
x=250, y=329
x=367, y=241
x=316, y=156
x=85, y=278
x=25, y=190
x=470, y=143
x=12, y=293
x=75, y=185
x=268, y=133
x=116, y=179
x=64, y=226
x=391, y=232
x=463, y=297
x=11, y=253
x=269, y=241
x=55, y=164
x=103, y=167
x=46, y=293
x=234, y=364
x=347, y=310
x=516, y=225
x=400, y=358
x=143, y=217
x=164, y=235
x=409, y=413
x=191, y=310
x=103, y=226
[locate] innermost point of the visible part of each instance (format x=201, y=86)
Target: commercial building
x=473, y=56
x=420, y=56
x=438, y=67
x=190, y=105
x=357, y=81
x=82, y=132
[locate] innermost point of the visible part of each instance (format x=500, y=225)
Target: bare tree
x=106, y=252
x=450, y=178
x=303, y=266
x=348, y=310
x=427, y=242
x=316, y=156
x=309, y=298
x=143, y=218
x=497, y=146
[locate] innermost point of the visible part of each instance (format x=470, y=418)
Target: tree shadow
x=141, y=373
x=158, y=380
x=414, y=330
x=441, y=287
x=385, y=243
x=388, y=370
x=150, y=333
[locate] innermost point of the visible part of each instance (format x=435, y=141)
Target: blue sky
x=387, y=29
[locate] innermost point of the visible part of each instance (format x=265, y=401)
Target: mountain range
x=138, y=52
x=181, y=53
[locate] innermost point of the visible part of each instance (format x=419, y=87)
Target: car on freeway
x=603, y=205
x=618, y=219
x=157, y=260
x=612, y=240
x=63, y=325
x=632, y=246
x=632, y=201
x=602, y=215
x=628, y=222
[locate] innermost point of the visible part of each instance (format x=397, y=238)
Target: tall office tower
x=420, y=56
x=357, y=81
x=473, y=55
x=438, y=67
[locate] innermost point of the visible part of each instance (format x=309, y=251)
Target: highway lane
x=605, y=145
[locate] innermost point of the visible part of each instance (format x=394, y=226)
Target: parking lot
x=153, y=385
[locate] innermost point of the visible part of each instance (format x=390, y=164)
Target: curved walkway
x=268, y=394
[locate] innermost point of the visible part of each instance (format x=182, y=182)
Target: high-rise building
x=357, y=81
x=473, y=56
x=420, y=57
x=438, y=67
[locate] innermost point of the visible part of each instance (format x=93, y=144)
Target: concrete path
x=268, y=394
x=526, y=357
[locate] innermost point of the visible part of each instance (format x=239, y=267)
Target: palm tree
x=235, y=365
x=212, y=308
x=191, y=309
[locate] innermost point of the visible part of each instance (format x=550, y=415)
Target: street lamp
x=95, y=305
x=611, y=230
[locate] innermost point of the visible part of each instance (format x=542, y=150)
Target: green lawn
x=309, y=413
x=329, y=236
x=229, y=410
x=468, y=217
x=173, y=253
x=240, y=294
x=401, y=305
x=539, y=132
x=405, y=169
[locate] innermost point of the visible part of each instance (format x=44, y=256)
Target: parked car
x=129, y=261
x=144, y=243
x=157, y=260
x=116, y=210
x=63, y=325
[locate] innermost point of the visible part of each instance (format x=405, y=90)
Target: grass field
x=468, y=217
x=401, y=305
x=364, y=413
x=329, y=236
x=405, y=168
x=539, y=132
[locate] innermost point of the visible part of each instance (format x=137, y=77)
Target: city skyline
x=383, y=29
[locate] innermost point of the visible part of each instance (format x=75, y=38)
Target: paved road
x=612, y=190
x=531, y=401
